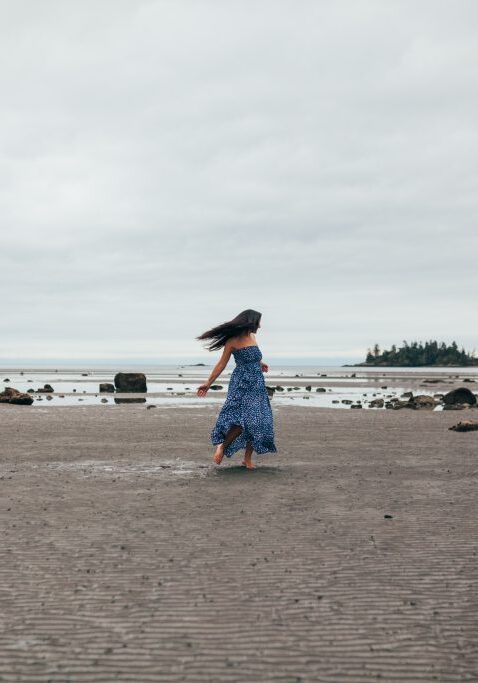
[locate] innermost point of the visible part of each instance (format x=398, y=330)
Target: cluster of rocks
x=126, y=383
x=457, y=399
x=271, y=390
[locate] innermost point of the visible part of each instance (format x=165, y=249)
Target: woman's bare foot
x=219, y=454
x=247, y=462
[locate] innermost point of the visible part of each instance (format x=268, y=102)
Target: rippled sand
x=128, y=556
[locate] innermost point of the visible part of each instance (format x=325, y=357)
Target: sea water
x=176, y=385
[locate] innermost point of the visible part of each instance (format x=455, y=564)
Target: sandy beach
x=128, y=556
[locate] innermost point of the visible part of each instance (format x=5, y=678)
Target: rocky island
x=419, y=354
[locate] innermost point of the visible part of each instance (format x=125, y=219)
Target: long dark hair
x=246, y=321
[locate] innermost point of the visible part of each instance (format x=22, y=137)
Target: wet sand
x=128, y=556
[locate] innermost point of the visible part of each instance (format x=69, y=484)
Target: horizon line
x=165, y=360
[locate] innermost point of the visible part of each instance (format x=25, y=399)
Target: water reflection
x=129, y=400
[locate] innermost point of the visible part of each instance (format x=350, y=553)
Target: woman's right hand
x=203, y=389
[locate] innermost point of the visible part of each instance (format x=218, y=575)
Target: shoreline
x=178, y=387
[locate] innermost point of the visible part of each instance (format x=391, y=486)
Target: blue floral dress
x=247, y=404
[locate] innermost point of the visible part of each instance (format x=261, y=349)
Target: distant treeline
x=417, y=354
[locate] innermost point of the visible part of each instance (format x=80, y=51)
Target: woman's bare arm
x=220, y=365
x=216, y=371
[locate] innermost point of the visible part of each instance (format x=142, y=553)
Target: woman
x=245, y=419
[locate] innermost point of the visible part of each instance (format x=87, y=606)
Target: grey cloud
x=172, y=163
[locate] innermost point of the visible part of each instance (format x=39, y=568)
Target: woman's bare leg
x=248, y=457
x=232, y=434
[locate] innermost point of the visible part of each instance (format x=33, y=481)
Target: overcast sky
x=165, y=164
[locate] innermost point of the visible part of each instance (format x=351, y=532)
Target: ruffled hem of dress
x=219, y=433
x=233, y=447
x=271, y=449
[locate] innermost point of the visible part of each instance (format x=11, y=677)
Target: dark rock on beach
x=465, y=426
x=422, y=402
x=130, y=382
x=106, y=387
x=396, y=404
x=46, y=389
x=21, y=400
x=460, y=395
x=15, y=397
x=414, y=402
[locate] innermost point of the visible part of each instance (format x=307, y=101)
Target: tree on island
x=419, y=354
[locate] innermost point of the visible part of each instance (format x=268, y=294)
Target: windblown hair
x=246, y=321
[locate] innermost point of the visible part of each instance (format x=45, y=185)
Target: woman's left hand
x=264, y=367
